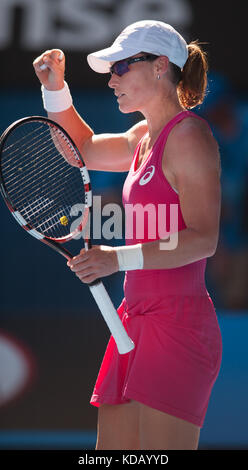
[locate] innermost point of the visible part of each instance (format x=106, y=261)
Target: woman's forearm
x=76, y=127
x=187, y=247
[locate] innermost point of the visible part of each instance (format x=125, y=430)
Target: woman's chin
x=126, y=109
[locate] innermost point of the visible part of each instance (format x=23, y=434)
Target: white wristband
x=58, y=100
x=130, y=257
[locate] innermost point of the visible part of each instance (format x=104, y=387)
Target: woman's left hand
x=95, y=263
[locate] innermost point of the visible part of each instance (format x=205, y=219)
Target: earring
x=158, y=77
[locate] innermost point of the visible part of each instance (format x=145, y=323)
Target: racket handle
x=44, y=66
x=123, y=342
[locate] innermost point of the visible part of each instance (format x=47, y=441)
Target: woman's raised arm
x=106, y=152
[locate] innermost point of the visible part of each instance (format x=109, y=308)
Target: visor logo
x=147, y=176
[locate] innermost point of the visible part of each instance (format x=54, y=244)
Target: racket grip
x=123, y=342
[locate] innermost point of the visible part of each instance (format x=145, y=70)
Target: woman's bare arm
x=193, y=156
x=106, y=152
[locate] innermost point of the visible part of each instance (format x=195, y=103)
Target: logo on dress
x=147, y=176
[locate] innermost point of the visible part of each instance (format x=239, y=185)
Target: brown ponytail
x=192, y=80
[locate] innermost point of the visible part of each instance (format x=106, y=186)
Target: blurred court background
x=52, y=336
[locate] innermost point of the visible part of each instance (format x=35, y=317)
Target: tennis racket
x=42, y=177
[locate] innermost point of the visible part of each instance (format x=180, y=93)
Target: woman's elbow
x=211, y=246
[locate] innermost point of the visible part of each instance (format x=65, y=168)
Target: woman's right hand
x=53, y=76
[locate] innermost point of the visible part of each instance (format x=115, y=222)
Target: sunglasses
x=121, y=67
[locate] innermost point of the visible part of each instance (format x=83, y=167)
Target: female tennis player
x=156, y=396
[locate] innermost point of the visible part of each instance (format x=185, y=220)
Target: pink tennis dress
x=168, y=313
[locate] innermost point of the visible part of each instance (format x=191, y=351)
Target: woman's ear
x=161, y=65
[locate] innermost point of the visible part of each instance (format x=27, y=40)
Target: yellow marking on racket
x=63, y=220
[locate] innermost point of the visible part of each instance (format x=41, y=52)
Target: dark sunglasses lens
x=120, y=68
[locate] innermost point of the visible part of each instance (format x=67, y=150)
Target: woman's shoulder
x=192, y=130
x=192, y=125
x=191, y=142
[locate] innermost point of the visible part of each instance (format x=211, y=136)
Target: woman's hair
x=192, y=80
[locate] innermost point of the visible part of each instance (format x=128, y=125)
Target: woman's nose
x=113, y=81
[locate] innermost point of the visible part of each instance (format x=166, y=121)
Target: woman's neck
x=160, y=110
x=157, y=120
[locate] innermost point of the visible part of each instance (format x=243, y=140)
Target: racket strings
x=10, y=146
x=29, y=182
x=14, y=177
x=41, y=184
x=44, y=149
x=41, y=206
x=18, y=150
x=33, y=141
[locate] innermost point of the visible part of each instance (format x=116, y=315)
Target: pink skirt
x=174, y=364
